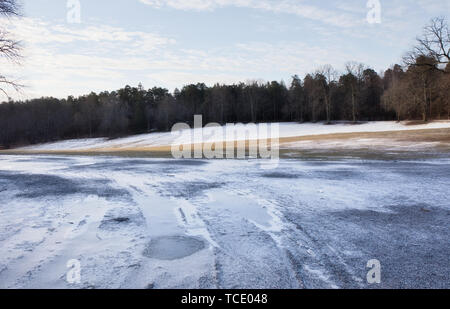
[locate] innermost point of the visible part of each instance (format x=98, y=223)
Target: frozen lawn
x=163, y=223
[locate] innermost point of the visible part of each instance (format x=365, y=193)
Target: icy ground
x=163, y=223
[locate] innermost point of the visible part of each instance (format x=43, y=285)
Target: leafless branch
x=9, y=48
x=9, y=8
x=434, y=43
x=14, y=84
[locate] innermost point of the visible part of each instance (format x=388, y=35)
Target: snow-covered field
x=286, y=130
x=165, y=223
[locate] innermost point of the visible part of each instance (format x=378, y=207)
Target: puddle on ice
x=173, y=247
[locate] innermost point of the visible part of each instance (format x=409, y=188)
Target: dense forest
x=360, y=96
x=418, y=89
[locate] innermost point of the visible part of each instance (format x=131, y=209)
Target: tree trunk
x=148, y=119
x=425, y=103
x=430, y=109
x=301, y=112
x=274, y=111
x=314, y=111
x=448, y=109
x=327, y=107
x=353, y=104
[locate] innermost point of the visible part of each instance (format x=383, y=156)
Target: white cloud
x=35, y=31
x=60, y=59
x=335, y=17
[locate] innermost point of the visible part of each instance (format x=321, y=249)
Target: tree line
x=417, y=90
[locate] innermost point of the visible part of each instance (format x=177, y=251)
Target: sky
x=74, y=47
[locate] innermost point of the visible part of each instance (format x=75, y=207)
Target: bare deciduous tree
x=434, y=43
x=9, y=48
x=327, y=75
x=355, y=73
